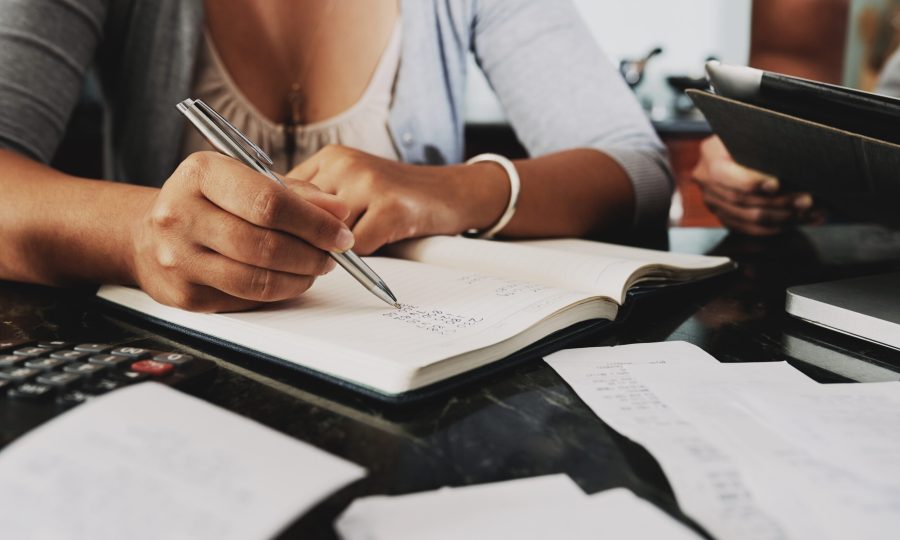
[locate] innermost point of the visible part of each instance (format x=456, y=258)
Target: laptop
x=867, y=307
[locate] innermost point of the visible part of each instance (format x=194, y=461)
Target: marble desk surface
x=523, y=421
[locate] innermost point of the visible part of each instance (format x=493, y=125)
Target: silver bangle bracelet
x=515, y=186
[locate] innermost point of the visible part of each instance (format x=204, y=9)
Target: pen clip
x=226, y=125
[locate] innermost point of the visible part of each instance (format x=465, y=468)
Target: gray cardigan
x=558, y=90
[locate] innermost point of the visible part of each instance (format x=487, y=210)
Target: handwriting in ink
x=434, y=321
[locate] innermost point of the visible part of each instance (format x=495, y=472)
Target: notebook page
x=444, y=313
x=341, y=329
x=148, y=462
x=615, y=251
x=590, y=267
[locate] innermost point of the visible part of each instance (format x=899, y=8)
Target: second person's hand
x=748, y=201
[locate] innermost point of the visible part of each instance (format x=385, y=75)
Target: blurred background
x=660, y=46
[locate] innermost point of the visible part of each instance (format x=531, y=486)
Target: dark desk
x=524, y=421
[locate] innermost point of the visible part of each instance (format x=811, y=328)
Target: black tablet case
x=854, y=175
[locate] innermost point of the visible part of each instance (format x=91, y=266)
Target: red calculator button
x=152, y=367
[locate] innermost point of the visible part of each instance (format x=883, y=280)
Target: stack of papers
x=150, y=462
x=752, y=450
x=532, y=508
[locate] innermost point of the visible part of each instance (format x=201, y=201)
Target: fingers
x=244, y=281
x=203, y=299
x=244, y=242
x=375, y=229
x=256, y=199
x=717, y=167
x=752, y=200
x=763, y=215
x=326, y=201
x=727, y=173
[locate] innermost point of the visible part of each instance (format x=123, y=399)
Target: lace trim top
x=363, y=126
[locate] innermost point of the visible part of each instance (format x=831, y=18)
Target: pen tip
x=397, y=305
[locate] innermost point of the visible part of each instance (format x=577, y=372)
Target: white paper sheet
x=150, y=462
x=531, y=508
x=707, y=483
x=753, y=450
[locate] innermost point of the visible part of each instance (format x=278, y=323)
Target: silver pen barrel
x=361, y=271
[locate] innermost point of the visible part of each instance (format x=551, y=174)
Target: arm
x=216, y=237
x=561, y=93
x=392, y=201
x=597, y=168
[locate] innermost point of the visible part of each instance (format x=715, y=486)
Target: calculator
x=41, y=379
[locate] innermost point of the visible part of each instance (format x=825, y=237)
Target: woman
x=307, y=79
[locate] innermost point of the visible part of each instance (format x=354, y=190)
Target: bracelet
x=514, y=188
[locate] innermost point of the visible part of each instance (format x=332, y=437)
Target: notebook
x=839, y=144
x=466, y=304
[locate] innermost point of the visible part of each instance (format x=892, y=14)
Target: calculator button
x=87, y=370
x=45, y=364
x=9, y=360
x=73, y=397
x=131, y=376
x=8, y=344
x=109, y=360
x=30, y=351
x=134, y=353
x=152, y=367
x=92, y=347
x=69, y=355
x=18, y=374
x=59, y=380
x=103, y=386
x=176, y=359
x=54, y=344
x=31, y=391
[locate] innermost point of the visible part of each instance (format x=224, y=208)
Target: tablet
x=863, y=113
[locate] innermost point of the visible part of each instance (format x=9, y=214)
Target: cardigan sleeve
x=560, y=92
x=45, y=48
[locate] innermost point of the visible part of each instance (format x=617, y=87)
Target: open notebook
x=466, y=303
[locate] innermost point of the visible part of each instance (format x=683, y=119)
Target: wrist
x=136, y=241
x=483, y=192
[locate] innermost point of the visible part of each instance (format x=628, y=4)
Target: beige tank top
x=363, y=126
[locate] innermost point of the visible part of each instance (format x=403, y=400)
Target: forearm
x=574, y=193
x=56, y=229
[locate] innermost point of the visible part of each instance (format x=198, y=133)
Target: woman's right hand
x=749, y=201
x=221, y=237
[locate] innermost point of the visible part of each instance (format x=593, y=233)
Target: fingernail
x=344, y=240
x=770, y=185
x=803, y=201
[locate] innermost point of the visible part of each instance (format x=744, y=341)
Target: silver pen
x=216, y=130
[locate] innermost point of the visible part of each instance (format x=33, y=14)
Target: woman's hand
x=749, y=201
x=220, y=237
x=391, y=201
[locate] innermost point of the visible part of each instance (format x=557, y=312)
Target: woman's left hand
x=391, y=201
